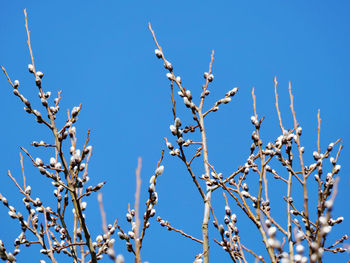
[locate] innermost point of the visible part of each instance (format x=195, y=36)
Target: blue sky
x=101, y=54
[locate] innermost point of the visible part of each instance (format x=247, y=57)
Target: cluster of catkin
x=56, y=230
x=304, y=237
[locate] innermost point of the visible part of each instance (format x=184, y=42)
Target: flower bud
x=58, y=166
x=272, y=231
x=16, y=84
x=169, y=145
x=226, y=100
x=337, y=168
x=47, y=94
x=234, y=218
x=131, y=234
x=88, y=149
x=152, y=188
x=44, y=102
x=40, y=74
x=159, y=170
x=83, y=205
x=187, y=102
x=177, y=122
x=75, y=111
x=99, y=238
x=173, y=129
x=31, y=68
x=316, y=155
x=27, y=191
x=38, y=81
x=188, y=94
x=39, y=162
x=168, y=66
x=152, y=180
x=232, y=92
x=169, y=76
x=299, y=130
x=158, y=53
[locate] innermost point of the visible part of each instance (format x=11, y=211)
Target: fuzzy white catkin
x=89, y=148
x=30, y=68
x=28, y=189
x=172, y=128
x=58, y=166
x=40, y=74
x=11, y=257
x=99, y=238
x=272, y=231
x=159, y=171
x=158, y=53
x=299, y=130
x=16, y=83
x=83, y=205
x=52, y=161
x=226, y=100
x=187, y=102
x=152, y=180
x=169, y=76
x=39, y=162
x=120, y=259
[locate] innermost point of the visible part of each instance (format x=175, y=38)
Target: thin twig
x=206, y=169
x=251, y=252
x=50, y=252
x=318, y=131
x=22, y=168
x=165, y=61
x=276, y=104
x=102, y=212
x=169, y=227
x=306, y=198
x=28, y=41
x=137, y=210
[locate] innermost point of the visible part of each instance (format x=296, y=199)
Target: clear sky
x=101, y=54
